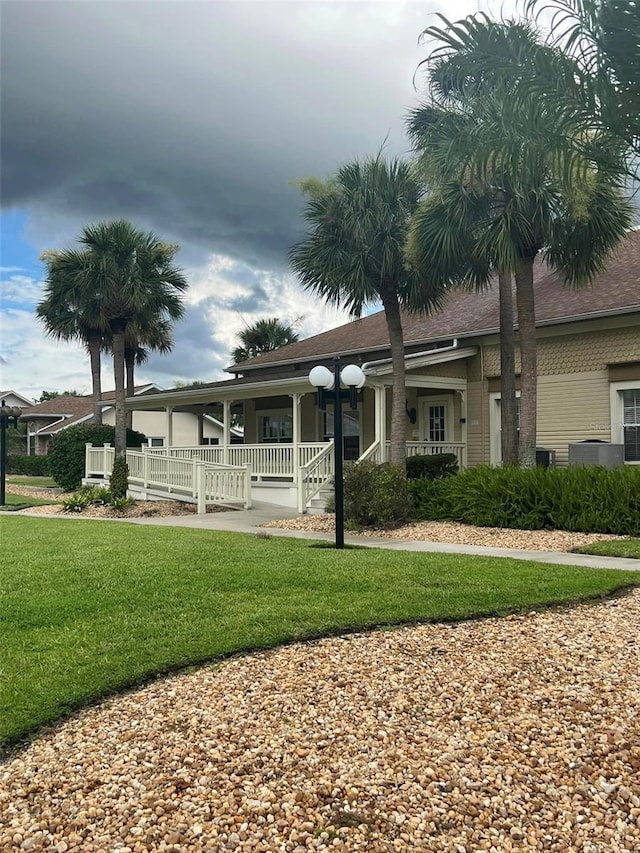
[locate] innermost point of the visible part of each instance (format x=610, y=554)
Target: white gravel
x=501, y=734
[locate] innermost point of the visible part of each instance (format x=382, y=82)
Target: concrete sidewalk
x=250, y=521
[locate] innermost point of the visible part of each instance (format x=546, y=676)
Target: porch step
x=318, y=505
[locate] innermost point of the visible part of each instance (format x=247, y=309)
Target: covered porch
x=287, y=453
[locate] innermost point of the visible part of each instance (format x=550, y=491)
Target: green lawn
x=613, y=548
x=91, y=607
x=36, y=482
x=15, y=502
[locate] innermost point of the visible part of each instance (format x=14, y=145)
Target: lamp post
x=327, y=384
x=7, y=413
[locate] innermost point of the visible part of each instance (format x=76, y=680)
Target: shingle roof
x=68, y=405
x=614, y=291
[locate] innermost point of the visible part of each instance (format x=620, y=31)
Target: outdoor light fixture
x=7, y=413
x=328, y=387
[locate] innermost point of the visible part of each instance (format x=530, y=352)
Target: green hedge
x=68, y=450
x=434, y=466
x=29, y=466
x=587, y=499
x=375, y=495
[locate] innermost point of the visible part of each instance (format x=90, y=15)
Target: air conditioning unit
x=545, y=458
x=594, y=452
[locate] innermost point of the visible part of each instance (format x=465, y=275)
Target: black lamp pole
x=7, y=413
x=337, y=395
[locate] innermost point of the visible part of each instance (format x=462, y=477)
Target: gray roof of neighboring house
x=466, y=314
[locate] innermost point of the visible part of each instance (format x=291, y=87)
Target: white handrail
x=372, y=452
x=313, y=476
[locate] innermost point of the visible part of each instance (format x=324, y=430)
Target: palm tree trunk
x=528, y=362
x=508, y=425
x=94, y=345
x=130, y=364
x=398, y=438
x=118, y=375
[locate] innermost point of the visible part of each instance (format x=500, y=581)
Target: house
x=12, y=398
x=46, y=419
x=588, y=384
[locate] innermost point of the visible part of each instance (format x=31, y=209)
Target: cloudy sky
x=189, y=118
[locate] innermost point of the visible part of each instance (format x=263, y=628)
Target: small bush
x=68, y=450
x=586, y=499
x=375, y=495
x=29, y=466
x=433, y=467
x=119, y=479
x=121, y=504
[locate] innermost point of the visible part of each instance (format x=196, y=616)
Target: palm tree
x=263, y=336
x=129, y=276
x=67, y=320
x=604, y=40
x=511, y=184
x=353, y=256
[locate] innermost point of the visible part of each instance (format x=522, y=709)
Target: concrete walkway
x=250, y=521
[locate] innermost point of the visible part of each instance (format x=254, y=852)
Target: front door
x=437, y=419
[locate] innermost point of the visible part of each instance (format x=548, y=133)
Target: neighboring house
x=12, y=398
x=588, y=382
x=46, y=419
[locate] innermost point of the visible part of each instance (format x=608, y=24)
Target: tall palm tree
x=603, y=36
x=353, y=256
x=67, y=320
x=515, y=184
x=129, y=275
x=264, y=335
x=142, y=337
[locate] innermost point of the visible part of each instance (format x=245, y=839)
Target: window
x=625, y=418
x=210, y=441
x=631, y=424
x=436, y=423
x=276, y=428
x=155, y=442
x=350, y=432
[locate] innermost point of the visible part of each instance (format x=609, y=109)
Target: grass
x=613, y=548
x=90, y=608
x=36, y=482
x=16, y=502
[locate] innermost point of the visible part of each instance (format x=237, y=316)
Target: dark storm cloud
x=192, y=117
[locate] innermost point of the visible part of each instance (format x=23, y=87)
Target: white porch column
x=295, y=404
x=226, y=429
x=169, y=426
x=381, y=419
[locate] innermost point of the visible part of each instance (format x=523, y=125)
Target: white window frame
x=152, y=438
x=495, y=427
x=617, y=412
x=273, y=413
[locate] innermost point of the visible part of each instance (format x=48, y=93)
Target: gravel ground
x=508, y=734
x=459, y=534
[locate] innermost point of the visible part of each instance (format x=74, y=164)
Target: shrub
x=375, y=495
x=586, y=499
x=119, y=479
x=68, y=450
x=29, y=466
x=433, y=467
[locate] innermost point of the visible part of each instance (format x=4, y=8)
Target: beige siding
x=572, y=407
x=477, y=424
x=154, y=425
x=450, y=370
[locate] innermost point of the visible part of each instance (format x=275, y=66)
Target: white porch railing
x=313, y=476
x=266, y=460
x=181, y=478
x=417, y=448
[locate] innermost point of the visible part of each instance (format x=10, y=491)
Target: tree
x=129, y=277
x=603, y=37
x=263, y=336
x=51, y=395
x=353, y=255
x=510, y=184
x=64, y=313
